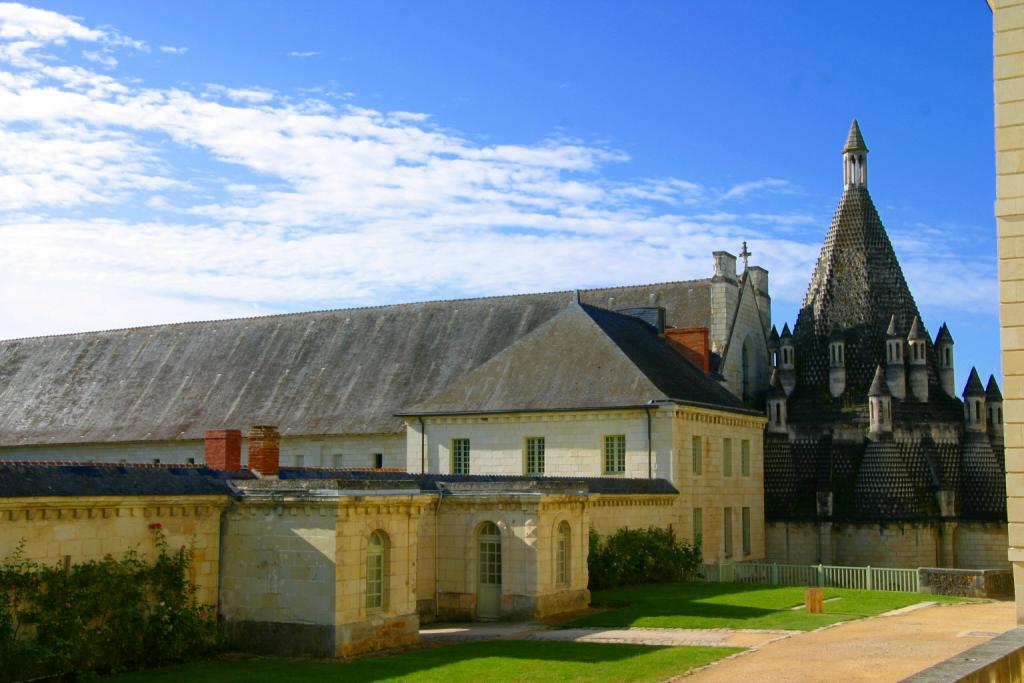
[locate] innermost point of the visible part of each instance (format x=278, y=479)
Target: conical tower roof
x=943, y=337
x=891, y=330
x=878, y=384
x=857, y=286
x=974, y=387
x=785, y=332
x=992, y=392
x=854, y=141
x=915, y=330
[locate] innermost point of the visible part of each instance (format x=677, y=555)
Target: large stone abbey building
x=870, y=456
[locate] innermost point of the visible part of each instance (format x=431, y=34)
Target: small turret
x=944, y=357
x=855, y=158
x=917, y=344
x=773, y=348
x=994, y=406
x=974, y=403
x=879, y=406
x=895, y=369
x=787, y=364
x=837, y=364
x=776, y=402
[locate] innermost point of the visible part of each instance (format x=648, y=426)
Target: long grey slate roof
x=344, y=371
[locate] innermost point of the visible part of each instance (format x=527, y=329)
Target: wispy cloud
x=311, y=53
x=126, y=204
x=172, y=50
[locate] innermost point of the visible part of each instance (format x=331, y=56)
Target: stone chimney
x=879, y=407
x=759, y=280
x=725, y=265
x=944, y=365
x=264, y=450
x=974, y=403
x=776, y=404
x=692, y=344
x=222, y=449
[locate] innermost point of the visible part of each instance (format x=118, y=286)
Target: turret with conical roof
x=917, y=348
x=879, y=406
x=944, y=361
x=974, y=403
x=787, y=360
x=855, y=158
x=994, y=406
x=836, y=364
x=776, y=405
x=895, y=367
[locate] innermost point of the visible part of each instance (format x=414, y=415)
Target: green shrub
x=100, y=616
x=634, y=556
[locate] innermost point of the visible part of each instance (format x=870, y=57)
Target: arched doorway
x=488, y=585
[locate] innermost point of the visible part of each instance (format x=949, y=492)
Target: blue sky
x=186, y=160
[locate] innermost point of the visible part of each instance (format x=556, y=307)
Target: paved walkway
x=724, y=637
x=884, y=648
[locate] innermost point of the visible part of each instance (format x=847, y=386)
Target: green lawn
x=734, y=605
x=498, y=660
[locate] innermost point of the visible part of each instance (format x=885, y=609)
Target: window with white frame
x=563, y=554
x=377, y=571
x=460, y=456
x=535, y=455
x=615, y=454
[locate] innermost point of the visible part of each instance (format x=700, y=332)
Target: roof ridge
x=183, y=323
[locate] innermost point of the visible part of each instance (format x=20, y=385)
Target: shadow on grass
x=490, y=660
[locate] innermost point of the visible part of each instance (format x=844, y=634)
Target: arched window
x=377, y=571
x=563, y=554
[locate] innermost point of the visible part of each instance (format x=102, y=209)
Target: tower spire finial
x=745, y=254
x=855, y=158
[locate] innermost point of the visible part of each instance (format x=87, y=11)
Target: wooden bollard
x=814, y=599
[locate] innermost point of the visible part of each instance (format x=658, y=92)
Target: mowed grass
x=497, y=660
x=734, y=605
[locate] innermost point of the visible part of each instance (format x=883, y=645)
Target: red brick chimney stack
x=264, y=450
x=222, y=449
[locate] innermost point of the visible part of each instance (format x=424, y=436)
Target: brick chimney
x=222, y=449
x=264, y=450
x=692, y=344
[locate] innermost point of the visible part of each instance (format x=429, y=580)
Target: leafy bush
x=100, y=616
x=634, y=556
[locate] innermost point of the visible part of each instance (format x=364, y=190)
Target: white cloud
x=171, y=50
x=125, y=204
x=311, y=53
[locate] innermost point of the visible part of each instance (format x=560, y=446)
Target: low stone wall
x=1000, y=659
x=970, y=583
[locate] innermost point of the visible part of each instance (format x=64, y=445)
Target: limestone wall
x=792, y=543
x=981, y=546
x=609, y=513
x=295, y=574
x=1008, y=72
x=894, y=545
x=527, y=524
x=573, y=442
x=134, y=452
x=713, y=490
x=89, y=528
x=747, y=329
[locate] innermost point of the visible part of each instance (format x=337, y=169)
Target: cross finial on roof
x=745, y=254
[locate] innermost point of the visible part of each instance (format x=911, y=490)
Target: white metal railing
x=864, y=578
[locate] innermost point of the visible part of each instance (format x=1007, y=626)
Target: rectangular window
x=535, y=456
x=378, y=460
x=615, y=454
x=299, y=460
x=698, y=527
x=337, y=459
x=698, y=454
x=727, y=458
x=745, y=457
x=460, y=456
x=727, y=531
x=746, y=531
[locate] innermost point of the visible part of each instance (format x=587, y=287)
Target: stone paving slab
x=662, y=636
